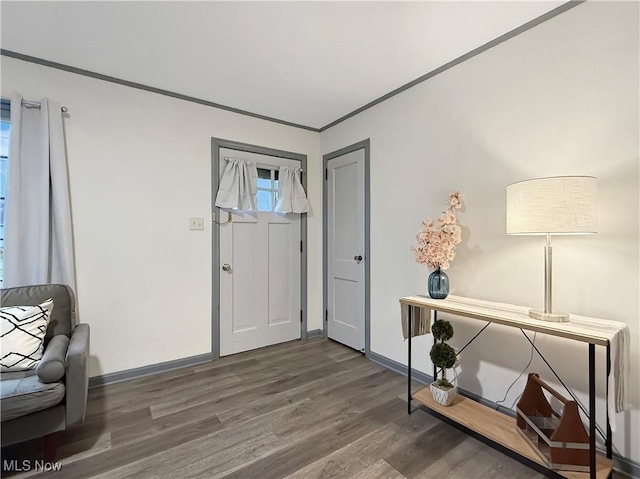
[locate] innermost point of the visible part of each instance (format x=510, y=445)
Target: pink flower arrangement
x=437, y=239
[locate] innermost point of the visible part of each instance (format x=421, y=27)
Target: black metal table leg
x=592, y=411
x=409, y=321
x=609, y=442
x=435, y=370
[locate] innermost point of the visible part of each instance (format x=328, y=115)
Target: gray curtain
x=38, y=229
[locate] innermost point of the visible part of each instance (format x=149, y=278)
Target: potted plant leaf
x=443, y=356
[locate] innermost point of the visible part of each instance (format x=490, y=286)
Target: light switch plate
x=196, y=223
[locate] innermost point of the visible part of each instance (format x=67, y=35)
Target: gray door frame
x=216, y=144
x=364, y=144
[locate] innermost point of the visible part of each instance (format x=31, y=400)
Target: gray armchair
x=53, y=397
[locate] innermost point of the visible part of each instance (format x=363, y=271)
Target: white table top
x=579, y=328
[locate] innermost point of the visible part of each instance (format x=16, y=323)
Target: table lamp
x=560, y=205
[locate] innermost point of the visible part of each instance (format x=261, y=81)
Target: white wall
x=140, y=166
x=559, y=99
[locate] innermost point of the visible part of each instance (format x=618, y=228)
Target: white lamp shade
x=556, y=205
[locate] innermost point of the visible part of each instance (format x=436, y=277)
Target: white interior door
x=260, y=267
x=345, y=249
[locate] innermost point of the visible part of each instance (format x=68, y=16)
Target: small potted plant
x=443, y=356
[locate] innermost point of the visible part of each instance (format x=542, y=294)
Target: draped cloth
x=291, y=195
x=238, y=186
x=619, y=336
x=38, y=228
x=420, y=320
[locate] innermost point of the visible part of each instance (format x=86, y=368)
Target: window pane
x=3, y=177
x=264, y=200
x=1, y=261
x=262, y=183
x=5, y=128
x=264, y=178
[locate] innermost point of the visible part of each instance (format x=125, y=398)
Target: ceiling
x=309, y=63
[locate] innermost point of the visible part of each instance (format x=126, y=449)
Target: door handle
x=357, y=258
x=226, y=267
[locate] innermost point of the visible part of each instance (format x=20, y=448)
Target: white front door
x=260, y=267
x=345, y=249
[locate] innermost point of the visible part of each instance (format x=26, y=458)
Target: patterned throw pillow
x=22, y=330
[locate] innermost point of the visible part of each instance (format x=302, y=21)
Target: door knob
x=226, y=267
x=358, y=258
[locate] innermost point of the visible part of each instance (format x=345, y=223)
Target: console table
x=495, y=428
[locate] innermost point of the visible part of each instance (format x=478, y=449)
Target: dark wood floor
x=306, y=409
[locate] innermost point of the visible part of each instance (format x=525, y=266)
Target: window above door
x=267, y=188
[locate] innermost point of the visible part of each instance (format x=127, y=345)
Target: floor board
x=305, y=409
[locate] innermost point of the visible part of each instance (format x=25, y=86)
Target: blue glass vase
x=438, y=284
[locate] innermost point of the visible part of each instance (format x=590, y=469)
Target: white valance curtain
x=38, y=229
x=291, y=195
x=238, y=186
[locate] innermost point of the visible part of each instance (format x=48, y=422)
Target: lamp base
x=552, y=317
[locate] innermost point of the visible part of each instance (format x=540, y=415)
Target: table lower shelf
x=500, y=429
